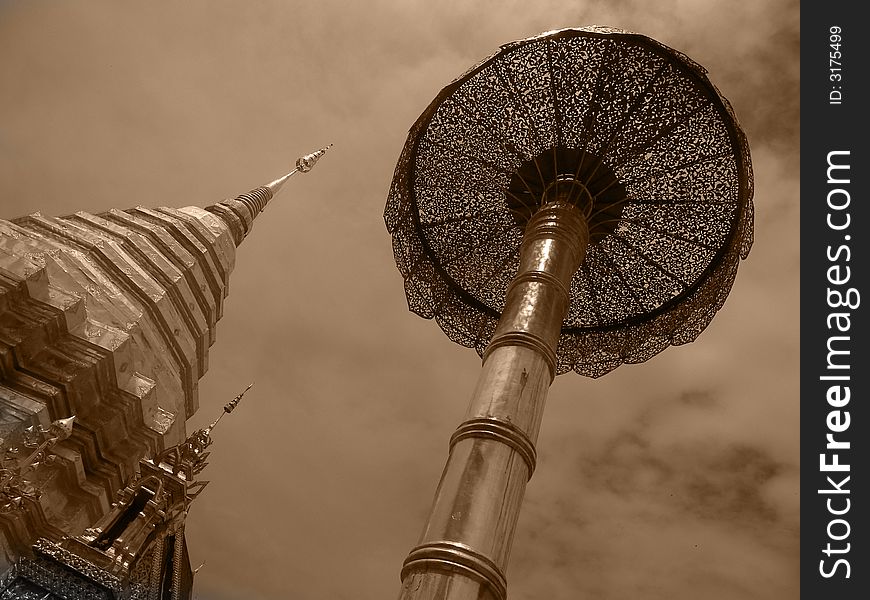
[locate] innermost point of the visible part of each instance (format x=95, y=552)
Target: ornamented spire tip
x=303, y=164
x=229, y=407
x=307, y=162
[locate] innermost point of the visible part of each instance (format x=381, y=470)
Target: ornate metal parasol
x=577, y=200
x=635, y=134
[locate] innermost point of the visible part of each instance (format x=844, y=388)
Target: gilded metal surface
x=427, y=585
x=183, y=260
x=478, y=499
x=457, y=558
x=512, y=386
x=152, y=262
x=646, y=146
x=492, y=453
x=554, y=244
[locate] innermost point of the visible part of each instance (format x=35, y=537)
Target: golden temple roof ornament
x=138, y=549
x=15, y=485
x=187, y=459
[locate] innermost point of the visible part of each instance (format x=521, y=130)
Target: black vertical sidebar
x=835, y=300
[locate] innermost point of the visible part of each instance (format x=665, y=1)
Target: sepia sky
x=673, y=479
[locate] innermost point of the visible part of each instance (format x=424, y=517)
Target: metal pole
x=463, y=551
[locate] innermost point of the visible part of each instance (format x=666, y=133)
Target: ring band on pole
x=501, y=431
x=540, y=277
x=529, y=340
x=456, y=557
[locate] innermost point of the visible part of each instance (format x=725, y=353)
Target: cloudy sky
x=673, y=479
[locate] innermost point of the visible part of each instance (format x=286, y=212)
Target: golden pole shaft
x=464, y=549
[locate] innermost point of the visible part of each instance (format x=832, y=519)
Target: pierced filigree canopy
x=618, y=116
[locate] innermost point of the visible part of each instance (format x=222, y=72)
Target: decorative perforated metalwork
x=639, y=137
x=55, y=582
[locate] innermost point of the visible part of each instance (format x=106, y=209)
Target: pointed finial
x=239, y=212
x=232, y=404
x=188, y=458
x=14, y=474
x=230, y=407
x=307, y=162
x=62, y=428
x=44, y=438
x=303, y=165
